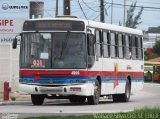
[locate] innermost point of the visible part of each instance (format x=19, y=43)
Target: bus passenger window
x=123, y=45
x=133, y=47
x=109, y=42
x=112, y=47
x=116, y=45
x=136, y=46
x=90, y=44
x=105, y=44
x=130, y=45
x=140, y=50
x=98, y=44
x=127, y=49
x=120, y=46
x=90, y=48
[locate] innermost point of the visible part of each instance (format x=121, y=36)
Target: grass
x=146, y=113
x=63, y=117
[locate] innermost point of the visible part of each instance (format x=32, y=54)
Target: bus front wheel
x=94, y=100
x=37, y=99
x=123, y=97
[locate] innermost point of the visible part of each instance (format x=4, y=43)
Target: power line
x=93, y=2
x=150, y=10
x=99, y=14
x=144, y=2
x=135, y=6
x=89, y=6
x=82, y=9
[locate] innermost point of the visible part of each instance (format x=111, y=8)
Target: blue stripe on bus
x=76, y=79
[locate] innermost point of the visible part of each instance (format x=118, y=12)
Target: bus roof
x=115, y=28
x=99, y=25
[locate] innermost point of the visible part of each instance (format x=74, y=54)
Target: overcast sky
x=150, y=17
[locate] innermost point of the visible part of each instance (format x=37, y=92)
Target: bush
x=13, y=98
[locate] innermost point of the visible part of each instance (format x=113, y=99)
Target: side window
x=124, y=46
x=140, y=48
x=113, y=44
x=90, y=44
x=120, y=48
x=136, y=45
x=116, y=45
x=133, y=47
x=127, y=48
x=98, y=44
x=106, y=44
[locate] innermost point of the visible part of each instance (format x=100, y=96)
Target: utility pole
x=124, y=17
x=66, y=7
x=102, y=11
x=56, y=14
x=112, y=12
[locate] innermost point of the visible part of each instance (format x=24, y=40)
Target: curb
x=152, y=84
x=24, y=102
x=14, y=102
x=19, y=100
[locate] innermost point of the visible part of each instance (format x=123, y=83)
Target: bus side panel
x=108, y=76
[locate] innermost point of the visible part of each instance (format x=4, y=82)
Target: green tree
x=132, y=19
x=156, y=48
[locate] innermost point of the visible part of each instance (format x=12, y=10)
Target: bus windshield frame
x=53, y=50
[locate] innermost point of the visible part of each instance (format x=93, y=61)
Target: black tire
x=77, y=99
x=123, y=97
x=94, y=100
x=37, y=99
x=73, y=99
x=82, y=99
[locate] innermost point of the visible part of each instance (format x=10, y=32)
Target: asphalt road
x=148, y=97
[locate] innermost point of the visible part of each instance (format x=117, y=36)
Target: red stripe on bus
x=81, y=73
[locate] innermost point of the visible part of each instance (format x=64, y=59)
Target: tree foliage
x=156, y=48
x=132, y=19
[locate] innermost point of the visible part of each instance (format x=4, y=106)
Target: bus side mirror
x=15, y=40
x=14, y=44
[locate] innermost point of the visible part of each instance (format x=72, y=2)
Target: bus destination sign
x=61, y=25
x=54, y=25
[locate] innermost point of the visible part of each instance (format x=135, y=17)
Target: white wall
x=9, y=58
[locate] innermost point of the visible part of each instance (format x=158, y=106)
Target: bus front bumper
x=83, y=90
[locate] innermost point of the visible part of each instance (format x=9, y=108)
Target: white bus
x=80, y=60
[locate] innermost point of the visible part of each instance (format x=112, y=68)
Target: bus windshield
x=53, y=50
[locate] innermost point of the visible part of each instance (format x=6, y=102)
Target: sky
x=149, y=18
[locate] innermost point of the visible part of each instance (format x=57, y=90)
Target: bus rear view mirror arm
x=14, y=44
x=15, y=40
